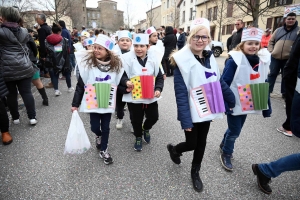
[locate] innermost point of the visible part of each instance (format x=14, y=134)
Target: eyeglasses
x=237, y=24
x=291, y=19
x=204, y=38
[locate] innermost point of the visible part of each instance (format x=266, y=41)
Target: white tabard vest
x=193, y=74
x=242, y=76
x=134, y=68
x=298, y=85
x=89, y=76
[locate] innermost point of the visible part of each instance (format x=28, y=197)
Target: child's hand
x=73, y=109
x=157, y=93
x=165, y=76
x=188, y=129
x=129, y=85
x=129, y=89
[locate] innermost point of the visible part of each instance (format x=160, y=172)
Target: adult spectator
x=15, y=65
x=236, y=37
x=170, y=44
x=290, y=80
x=266, y=38
x=83, y=28
x=229, y=40
x=181, y=38
x=43, y=32
x=75, y=33
x=280, y=48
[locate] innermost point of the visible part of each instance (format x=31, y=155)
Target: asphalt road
x=34, y=167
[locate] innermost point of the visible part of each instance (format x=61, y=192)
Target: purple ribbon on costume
x=103, y=79
x=208, y=74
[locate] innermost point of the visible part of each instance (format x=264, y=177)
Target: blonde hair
x=195, y=30
x=115, y=61
x=240, y=47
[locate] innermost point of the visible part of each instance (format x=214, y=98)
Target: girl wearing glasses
x=200, y=96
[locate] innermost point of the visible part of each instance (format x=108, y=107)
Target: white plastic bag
x=77, y=140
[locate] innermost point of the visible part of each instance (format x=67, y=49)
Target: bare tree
x=59, y=7
x=260, y=8
x=223, y=13
x=151, y=16
x=22, y=5
x=129, y=13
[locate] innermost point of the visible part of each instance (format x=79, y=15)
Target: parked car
x=216, y=47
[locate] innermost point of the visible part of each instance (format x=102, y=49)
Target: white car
x=216, y=47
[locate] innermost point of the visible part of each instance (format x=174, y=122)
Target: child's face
x=251, y=47
x=198, y=44
x=82, y=38
x=90, y=47
x=125, y=44
x=140, y=50
x=100, y=52
x=153, y=38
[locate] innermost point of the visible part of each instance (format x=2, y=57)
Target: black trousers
x=4, y=121
x=24, y=88
x=137, y=112
x=195, y=141
x=120, y=105
x=167, y=67
x=289, y=95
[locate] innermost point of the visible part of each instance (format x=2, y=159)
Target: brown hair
x=115, y=61
x=240, y=47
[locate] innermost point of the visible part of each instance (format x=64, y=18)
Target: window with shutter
x=228, y=28
x=215, y=12
x=223, y=30
x=209, y=14
x=269, y=23
x=229, y=9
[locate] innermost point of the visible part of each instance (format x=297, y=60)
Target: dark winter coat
x=228, y=75
x=65, y=33
x=43, y=32
x=169, y=42
x=14, y=61
x=236, y=39
x=60, y=60
x=181, y=40
x=182, y=98
x=228, y=43
x=32, y=49
x=3, y=88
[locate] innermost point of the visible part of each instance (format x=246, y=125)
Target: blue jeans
x=295, y=115
x=275, y=66
x=72, y=60
x=55, y=76
x=284, y=164
x=100, y=126
x=235, y=125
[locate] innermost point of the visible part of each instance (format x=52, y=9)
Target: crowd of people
x=130, y=68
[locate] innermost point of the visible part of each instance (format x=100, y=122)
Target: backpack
x=56, y=55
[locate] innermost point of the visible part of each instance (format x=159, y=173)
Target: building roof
x=153, y=8
x=179, y=3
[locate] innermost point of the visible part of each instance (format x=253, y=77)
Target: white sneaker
x=16, y=121
x=57, y=93
x=33, y=121
x=119, y=124
x=71, y=89
x=131, y=130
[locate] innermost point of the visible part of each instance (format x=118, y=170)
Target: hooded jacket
x=14, y=59
x=43, y=32
x=57, y=52
x=281, y=42
x=169, y=42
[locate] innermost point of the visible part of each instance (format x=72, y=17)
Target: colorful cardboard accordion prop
x=254, y=96
x=143, y=87
x=100, y=95
x=208, y=99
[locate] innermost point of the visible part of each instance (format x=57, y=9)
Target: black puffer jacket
x=14, y=63
x=3, y=88
x=169, y=42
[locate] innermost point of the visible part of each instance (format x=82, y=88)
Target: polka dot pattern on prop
x=246, y=97
x=90, y=96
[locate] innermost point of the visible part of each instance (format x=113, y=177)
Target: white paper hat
x=141, y=39
x=252, y=34
x=105, y=41
x=150, y=30
x=78, y=46
x=124, y=34
x=85, y=34
x=200, y=22
x=88, y=41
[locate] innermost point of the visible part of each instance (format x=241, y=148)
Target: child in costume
x=100, y=74
x=123, y=46
x=88, y=43
x=245, y=72
x=145, y=78
x=200, y=95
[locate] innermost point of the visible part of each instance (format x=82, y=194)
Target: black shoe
x=107, y=159
x=226, y=161
x=262, y=180
x=43, y=93
x=98, y=142
x=175, y=157
x=45, y=102
x=197, y=182
x=221, y=150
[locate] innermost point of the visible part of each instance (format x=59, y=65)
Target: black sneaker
x=175, y=157
x=262, y=180
x=98, y=142
x=146, y=136
x=106, y=157
x=226, y=161
x=221, y=150
x=138, y=144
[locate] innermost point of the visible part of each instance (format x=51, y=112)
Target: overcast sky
x=137, y=8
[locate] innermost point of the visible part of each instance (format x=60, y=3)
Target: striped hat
x=252, y=34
